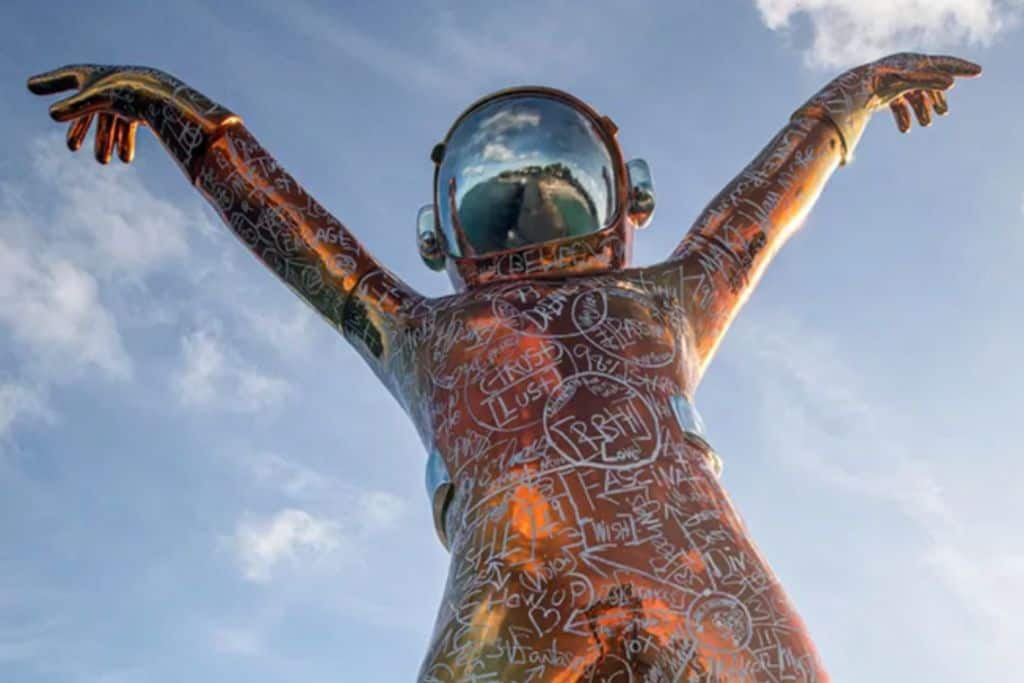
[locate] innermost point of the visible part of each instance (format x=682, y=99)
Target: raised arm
x=724, y=254
x=308, y=248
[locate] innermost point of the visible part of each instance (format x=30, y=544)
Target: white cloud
x=212, y=376
x=288, y=334
x=290, y=536
x=51, y=309
x=104, y=218
x=330, y=522
x=291, y=478
x=848, y=32
x=495, y=151
x=507, y=120
x=820, y=421
x=363, y=511
x=17, y=402
x=74, y=238
x=379, y=510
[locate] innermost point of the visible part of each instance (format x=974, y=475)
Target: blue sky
x=199, y=480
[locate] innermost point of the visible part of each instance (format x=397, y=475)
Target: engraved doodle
x=719, y=622
x=622, y=434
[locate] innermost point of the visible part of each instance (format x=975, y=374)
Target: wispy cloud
x=69, y=234
x=51, y=309
x=379, y=510
x=328, y=522
x=287, y=333
x=75, y=240
x=104, y=218
x=332, y=32
x=288, y=477
x=17, y=402
x=289, y=536
x=462, y=54
x=819, y=419
x=213, y=375
x=847, y=32
x=294, y=540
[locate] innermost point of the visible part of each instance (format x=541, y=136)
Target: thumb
x=85, y=102
x=895, y=84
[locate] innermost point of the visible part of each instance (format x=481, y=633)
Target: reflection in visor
x=526, y=169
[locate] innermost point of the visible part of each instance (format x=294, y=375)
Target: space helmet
x=531, y=182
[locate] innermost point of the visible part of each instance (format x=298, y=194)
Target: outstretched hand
x=903, y=82
x=120, y=98
x=99, y=95
x=908, y=81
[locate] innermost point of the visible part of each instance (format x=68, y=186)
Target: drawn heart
x=544, y=619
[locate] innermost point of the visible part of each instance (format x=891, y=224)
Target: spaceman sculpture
x=567, y=467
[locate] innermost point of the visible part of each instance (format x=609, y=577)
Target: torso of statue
x=589, y=535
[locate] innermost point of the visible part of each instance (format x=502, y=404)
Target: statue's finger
x=104, y=138
x=926, y=80
x=125, y=135
x=85, y=102
x=919, y=102
x=59, y=80
x=954, y=66
x=77, y=131
x=901, y=112
x=894, y=83
x=941, y=105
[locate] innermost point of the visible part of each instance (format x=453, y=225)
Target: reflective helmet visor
x=524, y=169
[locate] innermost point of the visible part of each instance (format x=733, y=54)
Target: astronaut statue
x=590, y=537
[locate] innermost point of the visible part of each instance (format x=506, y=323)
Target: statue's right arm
x=307, y=247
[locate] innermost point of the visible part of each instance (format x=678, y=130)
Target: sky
x=199, y=480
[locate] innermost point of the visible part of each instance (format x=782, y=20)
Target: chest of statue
x=575, y=371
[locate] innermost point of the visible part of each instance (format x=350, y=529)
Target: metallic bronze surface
x=590, y=537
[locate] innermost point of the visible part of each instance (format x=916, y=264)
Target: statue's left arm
x=288, y=230
x=723, y=256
